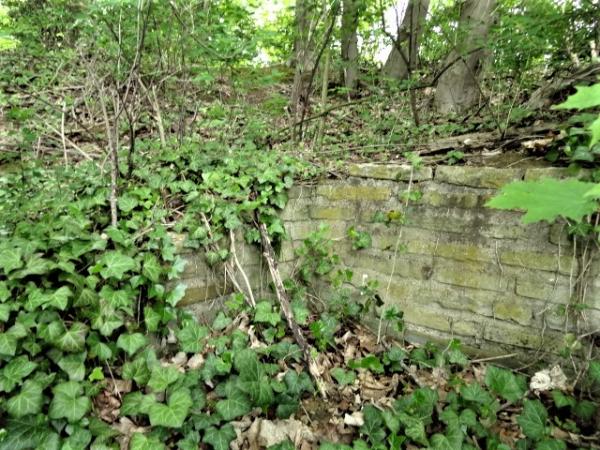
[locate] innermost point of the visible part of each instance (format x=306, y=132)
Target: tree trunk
x=408, y=36
x=458, y=88
x=349, y=43
x=303, y=58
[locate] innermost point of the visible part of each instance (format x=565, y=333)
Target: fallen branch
x=229, y=269
x=240, y=269
x=284, y=303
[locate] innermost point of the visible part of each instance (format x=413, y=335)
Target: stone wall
x=456, y=268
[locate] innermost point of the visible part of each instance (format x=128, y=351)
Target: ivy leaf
x=68, y=402
x=127, y=203
x=441, y=442
x=131, y=343
x=174, y=413
x=10, y=259
x=4, y=312
x=505, y=383
x=263, y=313
x=247, y=364
x=176, y=294
x=25, y=433
x=373, y=424
x=74, y=366
x=475, y=393
x=36, y=265
x=151, y=267
x=533, y=419
x=285, y=445
x=28, y=401
x=191, y=337
x=585, y=409
x=594, y=371
x=286, y=406
x=152, y=319
x=4, y=291
x=17, y=369
x=233, y=407
x=177, y=267
x=301, y=312
x=594, y=127
x=60, y=298
x=136, y=403
x=162, y=377
x=116, y=264
x=343, y=377
x=561, y=400
x=369, y=362
x=8, y=344
x=219, y=438
x=414, y=428
x=298, y=383
x=546, y=199
x=221, y=321
x=140, y=441
x=136, y=370
x=584, y=97
x=73, y=339
x=551, y=444
x=99, y=349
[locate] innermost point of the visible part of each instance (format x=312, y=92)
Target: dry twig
x=284, y=303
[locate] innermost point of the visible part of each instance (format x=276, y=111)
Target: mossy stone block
x=355, y=192
x=537, y=260
x=479, y=177
x=396, y=172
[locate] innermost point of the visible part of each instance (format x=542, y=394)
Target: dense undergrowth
x=95, y=352
x=168, y=100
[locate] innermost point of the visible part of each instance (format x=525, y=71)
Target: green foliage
x=506, y=384
x=360, y=239
x=342, y=376
x=582, y=144
x=78, y=295
x=454, y=157
x=547, y=199
x=534, y=419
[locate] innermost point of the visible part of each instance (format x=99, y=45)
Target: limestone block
x=479, y=177
x=196, y=265
x=296, y=209
x=355, y=192
x=301, y=191
x=559, y=235
x=477, y=276
x=543, y=286
x=454, y=220
x=513, y=308
x=397, y=172
x=429, y=291
x=537, y=173
x=300, y=230
x=440, y=195
x=203, y=290
x=333, y=212
x=536, y=260
x=407, y=266
x=513, y=334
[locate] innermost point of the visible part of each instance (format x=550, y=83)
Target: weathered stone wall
x=456, y=268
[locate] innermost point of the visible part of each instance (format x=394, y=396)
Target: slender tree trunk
x=349, y=43
x=303, y=58
x=458, y=88
x=408, y=37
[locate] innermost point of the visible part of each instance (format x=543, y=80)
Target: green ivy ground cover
x=94, y=352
